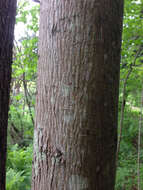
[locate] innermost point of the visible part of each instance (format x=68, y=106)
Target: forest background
x=23, y=91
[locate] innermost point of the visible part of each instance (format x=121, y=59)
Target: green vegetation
x=131, y=79
x=19, y=168
x=22, y=101
x=23, y=90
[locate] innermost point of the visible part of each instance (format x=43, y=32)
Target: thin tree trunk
x=27, y=98
x=75, y=136
x=7, y=21
x=139, y=139
x=122, y=113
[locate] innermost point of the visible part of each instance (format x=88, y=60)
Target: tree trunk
x=7, y=21
x=75, y=134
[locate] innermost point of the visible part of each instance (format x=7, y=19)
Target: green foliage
x=23, y=86
x=132, y=52
x=22, y=101
x=127, y=167
x=132, y=31
x=19, y=165
x=14, y=180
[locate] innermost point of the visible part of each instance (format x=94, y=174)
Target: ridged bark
x=7, y=21
x=75, y=134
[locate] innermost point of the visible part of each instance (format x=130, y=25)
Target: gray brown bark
x=7, y=21
x=75, y=134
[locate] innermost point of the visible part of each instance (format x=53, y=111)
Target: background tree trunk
x=7, y=21
x=75, y=134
